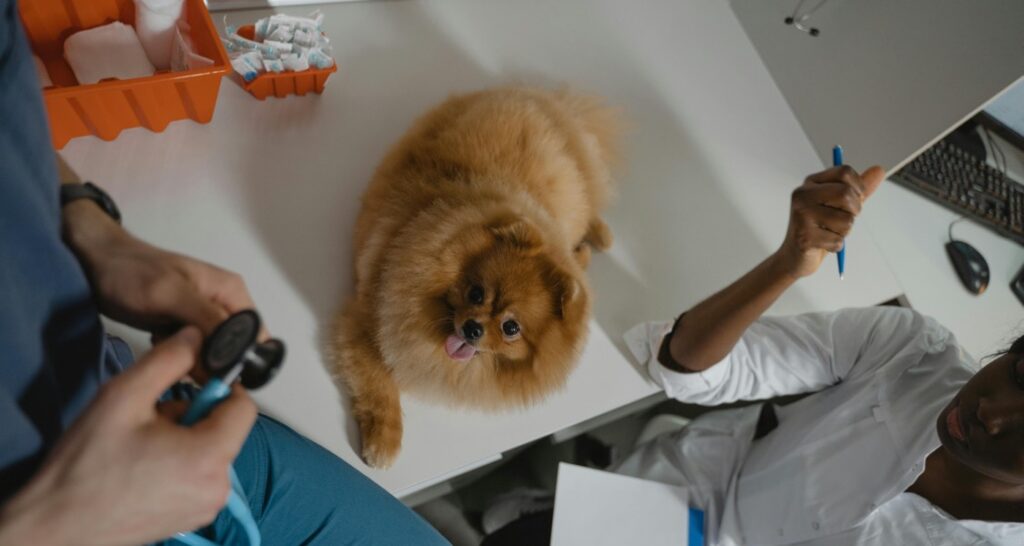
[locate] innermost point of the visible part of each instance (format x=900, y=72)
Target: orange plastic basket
x=106, y=108
x=282, y=84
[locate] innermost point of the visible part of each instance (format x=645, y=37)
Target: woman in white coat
x=903, y=442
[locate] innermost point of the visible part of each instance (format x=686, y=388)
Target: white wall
x=887, y=77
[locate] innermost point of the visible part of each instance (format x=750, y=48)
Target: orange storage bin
x=106, y=108
x=285, y=83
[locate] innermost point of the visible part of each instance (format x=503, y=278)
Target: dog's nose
x=472, y=330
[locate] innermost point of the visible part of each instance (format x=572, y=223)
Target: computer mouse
x=970, y=266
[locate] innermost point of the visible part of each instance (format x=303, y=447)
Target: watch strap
x=70, y=192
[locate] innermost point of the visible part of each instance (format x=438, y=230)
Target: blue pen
x=837, y=160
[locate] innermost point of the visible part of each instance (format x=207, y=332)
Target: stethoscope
x=231, y=353
x=798, y=20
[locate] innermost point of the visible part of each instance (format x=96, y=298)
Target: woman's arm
x=822, y=213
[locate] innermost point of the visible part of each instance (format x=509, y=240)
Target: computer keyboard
x=965, y=183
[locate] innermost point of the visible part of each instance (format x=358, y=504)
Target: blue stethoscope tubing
x=237, y=505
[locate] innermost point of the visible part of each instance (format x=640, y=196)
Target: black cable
x=991, y=150
x=953, y=223
x=997, y=152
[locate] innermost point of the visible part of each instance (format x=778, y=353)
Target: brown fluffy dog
x=469, y=257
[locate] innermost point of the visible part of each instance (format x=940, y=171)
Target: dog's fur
x=500, y=189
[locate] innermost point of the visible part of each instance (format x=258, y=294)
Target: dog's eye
x=476, y=295
x=510, y=327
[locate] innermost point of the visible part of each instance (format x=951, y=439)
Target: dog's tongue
x=459, y=349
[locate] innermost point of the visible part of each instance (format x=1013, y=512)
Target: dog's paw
x=382, y=440
x=599, y=235
x=582, y=254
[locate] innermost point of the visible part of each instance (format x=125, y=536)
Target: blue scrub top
x=53, y=356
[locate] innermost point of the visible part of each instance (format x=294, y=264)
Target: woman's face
x=983, y=427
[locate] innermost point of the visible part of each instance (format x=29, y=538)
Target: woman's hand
x=126, y=472
x=821, y=215
x=147, y=287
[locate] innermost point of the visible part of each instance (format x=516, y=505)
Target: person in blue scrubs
x=87, y=455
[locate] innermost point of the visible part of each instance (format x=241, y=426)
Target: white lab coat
x=836, y=469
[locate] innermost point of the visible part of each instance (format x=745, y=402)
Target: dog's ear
x=570, y=298
x=518, y=232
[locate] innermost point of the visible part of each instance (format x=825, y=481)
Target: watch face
x=230, y=341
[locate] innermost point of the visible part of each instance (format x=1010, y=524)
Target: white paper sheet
x=596, y=508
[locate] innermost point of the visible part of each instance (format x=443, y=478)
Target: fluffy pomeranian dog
x=470, y=252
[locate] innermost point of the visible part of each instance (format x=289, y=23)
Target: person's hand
x=821, y=215
x=147, y=287
x=126, y=472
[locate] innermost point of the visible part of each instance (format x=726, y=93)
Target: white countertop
x=270, y=189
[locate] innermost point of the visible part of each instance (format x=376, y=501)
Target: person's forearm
x=85, y=227
x=707, y=332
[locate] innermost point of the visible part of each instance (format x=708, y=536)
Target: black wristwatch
x=75, y=191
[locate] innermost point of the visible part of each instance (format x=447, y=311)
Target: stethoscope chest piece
x=232, y=351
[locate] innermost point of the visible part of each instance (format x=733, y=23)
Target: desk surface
x=270, y=189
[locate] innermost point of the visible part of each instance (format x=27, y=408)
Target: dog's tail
x=602, y=126
x=603, y=122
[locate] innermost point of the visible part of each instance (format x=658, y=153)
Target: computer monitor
x=967, y=170
x=1005, y=115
